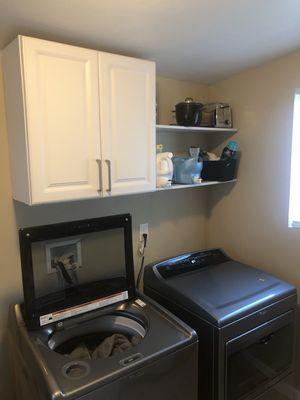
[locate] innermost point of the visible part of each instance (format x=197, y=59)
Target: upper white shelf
x=199, y=129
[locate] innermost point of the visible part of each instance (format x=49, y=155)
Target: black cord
x=60, y=265
x=140, y=274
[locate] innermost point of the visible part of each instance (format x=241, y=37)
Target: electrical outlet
x=141, y=245
x=144, y=229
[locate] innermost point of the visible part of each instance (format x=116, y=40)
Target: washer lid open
x=75, y=267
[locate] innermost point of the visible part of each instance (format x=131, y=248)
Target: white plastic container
x=164, y=169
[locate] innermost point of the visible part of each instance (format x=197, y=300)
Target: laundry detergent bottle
x=164, y=169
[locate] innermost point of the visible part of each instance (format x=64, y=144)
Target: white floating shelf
x=205, y=183
x=196, y=129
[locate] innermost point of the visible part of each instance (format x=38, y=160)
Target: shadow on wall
x=158, y=208
x=217, y=194
x=176, y=218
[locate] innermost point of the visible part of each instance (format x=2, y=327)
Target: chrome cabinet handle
x=99, y=162
x=109, y=175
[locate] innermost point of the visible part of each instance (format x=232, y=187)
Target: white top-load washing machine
x=83, y=332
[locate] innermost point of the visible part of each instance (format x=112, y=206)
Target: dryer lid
x=75, y=267
x=214, y=287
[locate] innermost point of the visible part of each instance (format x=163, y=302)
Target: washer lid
x=214, y=287
x=75, y=267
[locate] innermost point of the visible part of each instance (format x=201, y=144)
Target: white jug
x=164, y=169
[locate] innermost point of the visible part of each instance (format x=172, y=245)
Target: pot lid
x=189, y=100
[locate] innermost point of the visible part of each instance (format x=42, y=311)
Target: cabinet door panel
x=127, y=102
x=62, y=104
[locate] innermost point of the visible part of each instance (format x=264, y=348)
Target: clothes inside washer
x=114, y=344
x=80, y=352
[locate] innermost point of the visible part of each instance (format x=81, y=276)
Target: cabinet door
x=62, y=115
x=127, y=103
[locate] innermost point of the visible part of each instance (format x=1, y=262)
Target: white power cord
x=141, y=251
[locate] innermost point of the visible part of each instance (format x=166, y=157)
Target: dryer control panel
x=191, y=261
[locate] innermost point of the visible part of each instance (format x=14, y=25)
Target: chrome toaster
x=217, y=115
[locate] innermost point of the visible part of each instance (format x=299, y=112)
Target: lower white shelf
x=205, y=183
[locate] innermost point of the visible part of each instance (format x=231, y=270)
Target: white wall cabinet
x=81, y=123
x=127, y=99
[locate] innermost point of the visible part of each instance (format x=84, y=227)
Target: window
x=294, y=210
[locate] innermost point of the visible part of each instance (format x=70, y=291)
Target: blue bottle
x=229, y=151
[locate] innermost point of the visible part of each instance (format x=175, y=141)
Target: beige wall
x=176, y=219
x=170, y=94
x=251, y=221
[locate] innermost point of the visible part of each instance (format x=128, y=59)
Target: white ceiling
x=200, y=40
